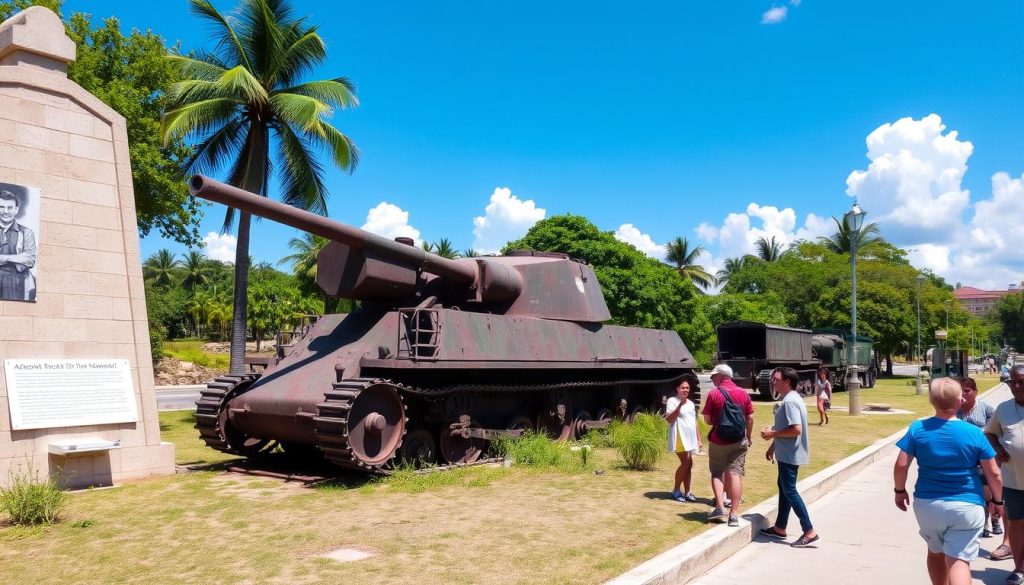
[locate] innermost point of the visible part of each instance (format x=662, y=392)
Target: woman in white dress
x=823, y=389
x=683, y=439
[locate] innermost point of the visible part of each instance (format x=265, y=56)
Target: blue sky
x=705, y=120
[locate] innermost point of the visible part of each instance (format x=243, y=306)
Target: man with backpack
x=730, y=413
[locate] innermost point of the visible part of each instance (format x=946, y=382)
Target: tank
x=440, y=357
x=754, y=350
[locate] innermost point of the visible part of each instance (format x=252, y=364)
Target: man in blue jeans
x=789, y=447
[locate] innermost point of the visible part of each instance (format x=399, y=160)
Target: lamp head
x=855, y=217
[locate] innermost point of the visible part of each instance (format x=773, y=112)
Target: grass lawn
x=476, y=525
x=190, y=350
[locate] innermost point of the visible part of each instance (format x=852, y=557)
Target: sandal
x=1001, y=553
x=804, y=541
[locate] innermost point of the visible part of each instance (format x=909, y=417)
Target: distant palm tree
x=678, y=252
x=160, y=268
x=768, y=250
x=470, y=253
x=732, y=266
x=427, y=246
x=868, y=238
x=303, y=257
x=247, y=96
x=196, y=270
x=444, y=248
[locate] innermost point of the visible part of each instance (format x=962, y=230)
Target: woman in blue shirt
x=948, y=501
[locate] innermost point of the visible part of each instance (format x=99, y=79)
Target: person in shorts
x=1005, y=432
x=683, y=438
x=727, y=461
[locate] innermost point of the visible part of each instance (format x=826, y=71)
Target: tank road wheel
x=520, y=423
x=213, y=420
x=554, y=426
x=460, y=450
x=579, y=424
x=637, y=409
x=419, y=448
x=361, y=423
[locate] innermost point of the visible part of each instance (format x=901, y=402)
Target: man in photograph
x=17, y=252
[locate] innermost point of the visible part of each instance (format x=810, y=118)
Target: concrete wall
x=90, y=302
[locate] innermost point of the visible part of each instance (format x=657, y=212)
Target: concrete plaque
x=67, y=393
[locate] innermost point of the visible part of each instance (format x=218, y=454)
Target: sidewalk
x=865, y=539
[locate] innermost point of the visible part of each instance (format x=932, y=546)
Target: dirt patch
x=170, y=372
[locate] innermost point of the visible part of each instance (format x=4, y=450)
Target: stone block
x=46, y=305
x=91, y=148
x=58, y=329
x=109, y=240
x=111, y=285
x=8, y=131
x=68, y=121
x=5, y=421
x=65, y=234
x=33, y=349
x=85, y=307
x=14, y=107
x=107, y=331
x=108, y=218
x=57, y=211
x=42, y=138
x=50, y=186
x=121, y=309
x=19, y=157
x=16, y=328
x=93, y=170
x=101, y=194
x=101, y=129
x=96, y=261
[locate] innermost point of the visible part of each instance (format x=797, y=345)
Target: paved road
x=864, y=539
x=177, y=397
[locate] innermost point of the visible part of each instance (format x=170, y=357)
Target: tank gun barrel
x=212, y=190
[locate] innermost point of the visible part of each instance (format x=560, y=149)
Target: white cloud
x=632, y=235
x=220, y=246
x=913, y=185
x=795, y=2
x=505, y=218
x=738, y=233
x=390, y=221
x=775, y=14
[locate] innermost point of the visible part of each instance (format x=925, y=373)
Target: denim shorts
x=1013, y=503
x=952, y=528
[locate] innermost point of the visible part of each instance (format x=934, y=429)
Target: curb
x=691, y=559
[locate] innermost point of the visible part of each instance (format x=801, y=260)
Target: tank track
x=211, y=404
x=764, y=384
x=330, y=424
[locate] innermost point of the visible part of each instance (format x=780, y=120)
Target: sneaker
x=728, y=502
x=985, y=533
x=770, y=533
x=804, y=542
x=690, y=497
x=734, y=521
x=1015, y=578
x=1001, y=553
x=997, y=526
x=678, y=496
x=716, y=515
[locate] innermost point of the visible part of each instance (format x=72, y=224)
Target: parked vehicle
x=440, y=357
x=754, y=350
x=942, y=362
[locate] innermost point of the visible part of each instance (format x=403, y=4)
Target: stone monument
x=76, y=390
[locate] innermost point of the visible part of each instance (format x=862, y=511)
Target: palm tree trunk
x=241, y=300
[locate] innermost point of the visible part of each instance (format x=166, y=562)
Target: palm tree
x=732, y=266
x=303, y=259
x=678, y=252
x=444, y=248
x=868, y=237
x=196, y=270
x=247, y=96
x=427, y=246
x=160, y=268
x=768, y=250
x=469, y=253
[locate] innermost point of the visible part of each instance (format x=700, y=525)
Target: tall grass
x=31, y=499
x=537, y=451
x=191, y=351
x=640, y=442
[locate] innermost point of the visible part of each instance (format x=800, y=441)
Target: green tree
x=1009, y=313
x=868, y=238
x=195, y=270
x=130, y=74
x=732, y=266
x=444, y=248
x=768, y=250
x=469, y=253
x=161, y=268
x=679, y=254
x=276, y=304
x=248, y=95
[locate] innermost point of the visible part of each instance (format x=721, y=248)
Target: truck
x=753, y=350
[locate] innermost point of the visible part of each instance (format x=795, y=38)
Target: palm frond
x=302, y=55
x=343, y=150
x=229, y=41
x=199, y=117
x=200, y=66
x=301, y=174
x=219, y=146
x=300, y=111
x=239, y=79
x=336, y=93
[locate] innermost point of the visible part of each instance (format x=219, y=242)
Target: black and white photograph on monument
x=19, y=246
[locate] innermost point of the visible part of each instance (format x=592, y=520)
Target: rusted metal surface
x=446, y=356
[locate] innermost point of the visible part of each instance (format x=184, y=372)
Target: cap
x=722, y=369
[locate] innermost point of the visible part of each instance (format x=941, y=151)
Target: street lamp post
x=854, y=219
x=920, y=385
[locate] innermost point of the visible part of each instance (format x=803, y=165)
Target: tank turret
x=443, y=356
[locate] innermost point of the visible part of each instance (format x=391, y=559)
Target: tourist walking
x=948, y=500
x=823, y=392
x=730, y=413
x=1005, y=433
x=683, y=438
x=790, y=448
x=978, y=414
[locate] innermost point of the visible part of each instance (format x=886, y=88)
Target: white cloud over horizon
x=506, y=218
x=632, y=235
x=390, y=221
x=775, y=14
x=220, y=246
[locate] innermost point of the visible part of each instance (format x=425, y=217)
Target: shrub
x=641, y=442
x=538, y=451
x=157, y=336
x=31, y=499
